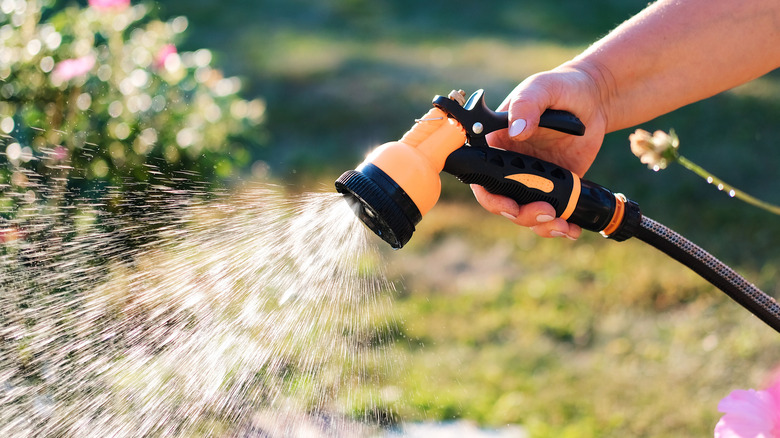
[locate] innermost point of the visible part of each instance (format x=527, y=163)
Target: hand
x=566, y=88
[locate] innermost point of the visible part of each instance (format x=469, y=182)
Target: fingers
x=539, y=216
x=525, y=106
x=558, y=228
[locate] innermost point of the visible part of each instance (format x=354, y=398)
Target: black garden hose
x=711, y=269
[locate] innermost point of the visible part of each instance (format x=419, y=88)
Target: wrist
x=598, y=83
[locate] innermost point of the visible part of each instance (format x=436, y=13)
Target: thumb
x=525, y=106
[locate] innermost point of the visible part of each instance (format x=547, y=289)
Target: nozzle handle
x=562, y=121
x=527, y=179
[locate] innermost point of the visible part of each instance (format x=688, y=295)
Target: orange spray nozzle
x=399, y=181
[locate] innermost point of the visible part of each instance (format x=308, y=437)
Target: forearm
x=678, y=52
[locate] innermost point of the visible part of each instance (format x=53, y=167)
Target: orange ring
x=617, y=218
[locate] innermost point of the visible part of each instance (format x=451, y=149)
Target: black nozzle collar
x=632, y=220
x=380, y=203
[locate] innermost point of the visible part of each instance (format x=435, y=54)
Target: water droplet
x=179, y=24
x=27, y=154
x=158, y=103
x=142, y=57
x=184, y=328
x=186, y=137
x=7, y=124
x=212, y=113
x=84, y=101
x=202, y=57
x=732, y=193
x=115, y=109
x=47, y=64
x=99, y=168
x=13, y=151
x=53, y=40
x=34, y=46
x=139, y=78
x=7, y=6
x=104, y=72
x=172, y=63
x=122, y=131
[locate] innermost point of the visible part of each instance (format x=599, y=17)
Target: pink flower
x=750, y=414
x=60, y=153
x=71, y=68
x=105, y=5
x=163, y=54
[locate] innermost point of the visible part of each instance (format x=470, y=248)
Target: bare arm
x=677, y=52
x=673, y=53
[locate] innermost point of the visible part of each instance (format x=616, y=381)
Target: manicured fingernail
x=517, y=127
x=542, y=218
x=556, y=233
x=508, y=216
x=571, y=238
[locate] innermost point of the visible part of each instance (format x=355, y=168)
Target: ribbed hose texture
x=711, y=269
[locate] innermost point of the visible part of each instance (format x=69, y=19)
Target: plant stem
x=732, y=191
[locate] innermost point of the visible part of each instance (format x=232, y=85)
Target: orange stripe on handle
x=533, y=181
x=574, y=197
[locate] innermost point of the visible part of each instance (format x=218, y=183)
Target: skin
x=671, y=54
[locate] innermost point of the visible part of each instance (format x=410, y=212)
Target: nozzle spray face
x=380, y=203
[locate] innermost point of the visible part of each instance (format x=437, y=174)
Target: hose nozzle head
x=399, y=181
x=380, y=203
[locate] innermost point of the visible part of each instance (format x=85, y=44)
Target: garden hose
x=398, y=183
x=711, y=269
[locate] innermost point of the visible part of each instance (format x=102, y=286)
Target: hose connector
x=625, y=221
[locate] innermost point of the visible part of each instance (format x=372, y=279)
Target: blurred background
x=587, y=338
x=497, y=326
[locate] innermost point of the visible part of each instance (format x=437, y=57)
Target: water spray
x=398, y=183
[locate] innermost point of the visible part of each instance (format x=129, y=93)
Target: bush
x=100, y=95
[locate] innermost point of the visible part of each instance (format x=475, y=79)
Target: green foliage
x=100, y=95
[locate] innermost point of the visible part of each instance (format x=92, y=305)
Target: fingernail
x=542, y=218
x=571, y=238
x=508, y=216
x=517, y=127
x=556, y=233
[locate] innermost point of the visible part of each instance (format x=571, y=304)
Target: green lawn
x=588, y=338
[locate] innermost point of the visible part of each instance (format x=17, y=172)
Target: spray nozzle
x=399, y=181
x=380, y=203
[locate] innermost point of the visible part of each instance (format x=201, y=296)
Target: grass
x=593, y=338
x=611, y=340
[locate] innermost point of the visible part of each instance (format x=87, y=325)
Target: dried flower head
x=660, y=149
x=657, y=150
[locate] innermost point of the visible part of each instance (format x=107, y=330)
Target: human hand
x=566, y=88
